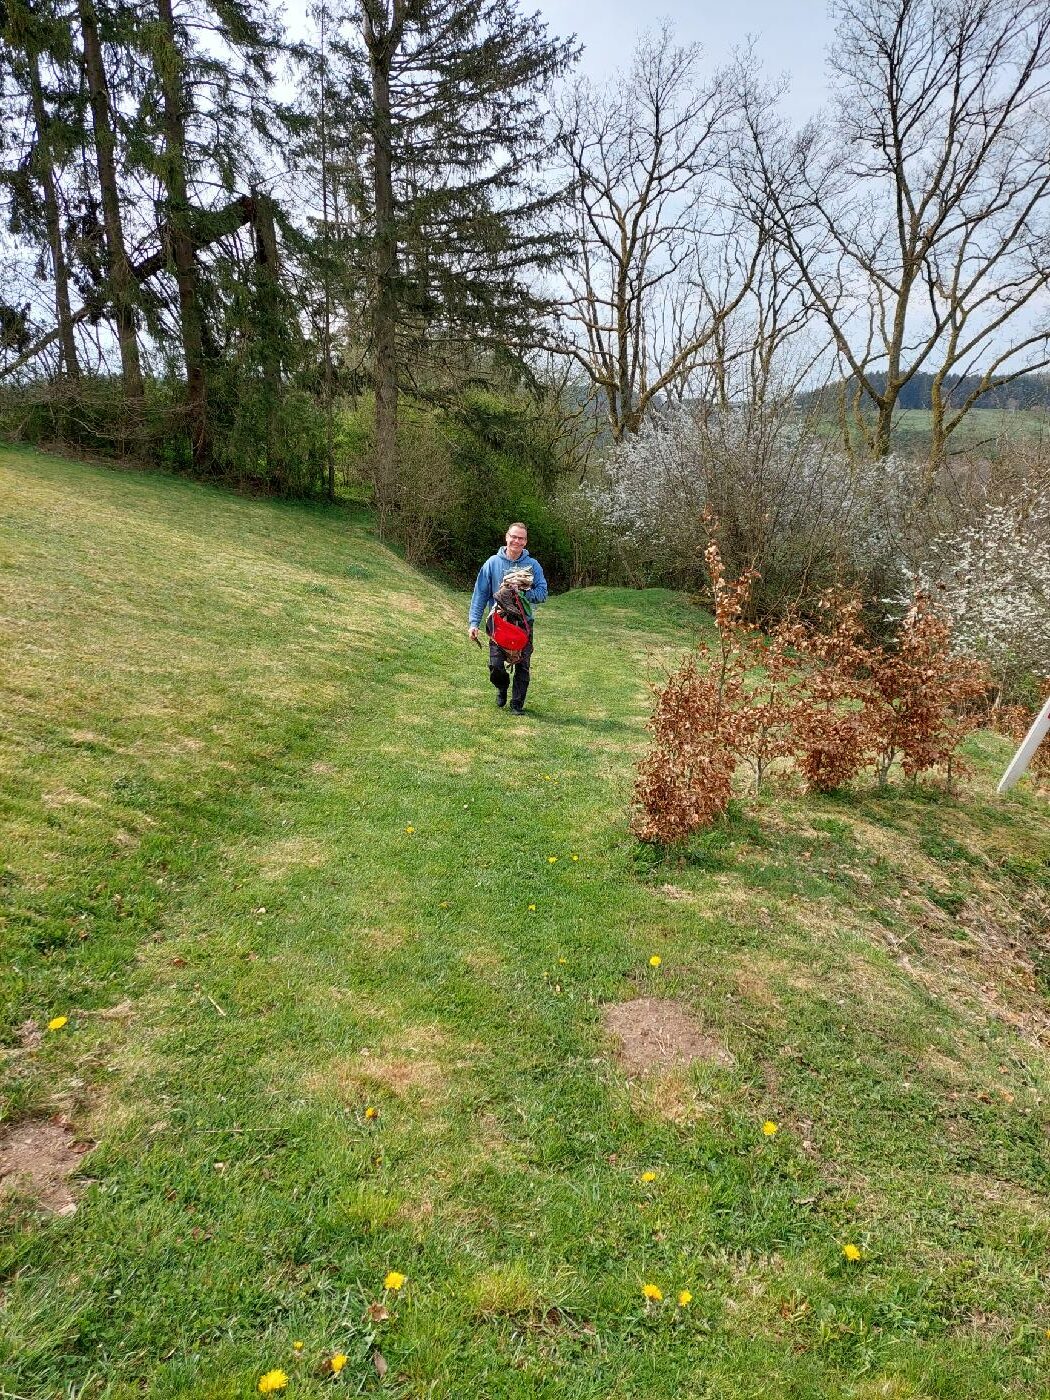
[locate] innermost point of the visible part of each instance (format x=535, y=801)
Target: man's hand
x=473, y=633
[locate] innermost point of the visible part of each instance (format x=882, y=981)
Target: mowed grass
x=269, y=846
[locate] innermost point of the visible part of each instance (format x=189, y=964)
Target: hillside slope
x=339, y=947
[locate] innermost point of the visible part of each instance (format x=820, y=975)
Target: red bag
x=507, y=634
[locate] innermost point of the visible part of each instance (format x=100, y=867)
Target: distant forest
x=1026, y=392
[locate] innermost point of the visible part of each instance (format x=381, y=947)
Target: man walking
x=511, y=556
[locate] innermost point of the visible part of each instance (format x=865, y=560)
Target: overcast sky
x=791, y=38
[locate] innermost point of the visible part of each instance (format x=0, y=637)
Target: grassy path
x=272, y=850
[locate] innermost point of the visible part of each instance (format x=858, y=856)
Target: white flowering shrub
x=783, y=497
x=992, y=577
x=651, y=498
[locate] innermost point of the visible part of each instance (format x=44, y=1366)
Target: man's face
x=516, y=542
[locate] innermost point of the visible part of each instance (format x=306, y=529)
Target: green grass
x=985, y=430
x=220, y=719
x=984, y=427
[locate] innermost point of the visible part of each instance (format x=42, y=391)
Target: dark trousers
x=501, y=680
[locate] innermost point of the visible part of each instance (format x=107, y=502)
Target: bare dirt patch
x=37, y=1157
x=657, y=1033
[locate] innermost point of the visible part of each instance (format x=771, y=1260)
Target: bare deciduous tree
x=919, y=215
x=661, y=258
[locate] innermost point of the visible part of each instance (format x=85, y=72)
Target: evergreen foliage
x=446, y=209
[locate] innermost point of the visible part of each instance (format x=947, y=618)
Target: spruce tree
x=121, y=281
x=34, y=47
x=447, y=98
x=208, y=127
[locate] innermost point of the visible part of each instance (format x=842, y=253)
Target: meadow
x=987, y=430
x=387, y=1062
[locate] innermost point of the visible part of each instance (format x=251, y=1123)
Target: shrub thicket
x=465, y=472
x=807, y=515
x=788, y=502
x=93, y=417
x=685, y=780
x=264, y=440
x=821, y=694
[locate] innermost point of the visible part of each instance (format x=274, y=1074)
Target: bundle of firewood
x=515, y=582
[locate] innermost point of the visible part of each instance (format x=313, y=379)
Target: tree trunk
x=938, y=436
x=268, y=312
x=45, y=171
x=329, y=447
x=180, y=237
x=121, y=280
x=882, y=438
x=385, y=316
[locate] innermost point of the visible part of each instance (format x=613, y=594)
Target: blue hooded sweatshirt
x=491, y=576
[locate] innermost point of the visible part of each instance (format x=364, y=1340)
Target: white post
x=1024, y=755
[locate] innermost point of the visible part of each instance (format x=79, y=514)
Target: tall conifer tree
x=34, y=41
x=447, y=97
x=122, y=287
x=202, y=134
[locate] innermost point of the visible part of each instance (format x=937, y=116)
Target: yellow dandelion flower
x=298, y=1346
x=655, y=960
x=57, y=1022
x=851, y=1252
x=552, y=860
x=532, y=908
x=337, y=1362
x=371, y=1112
x=770, y=1128
x=648, y=1176
x=684, y=1298
x=394, y=1281
x=652, y=1293
x=575, y=857
x=272, y=1381
x=409, y=830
